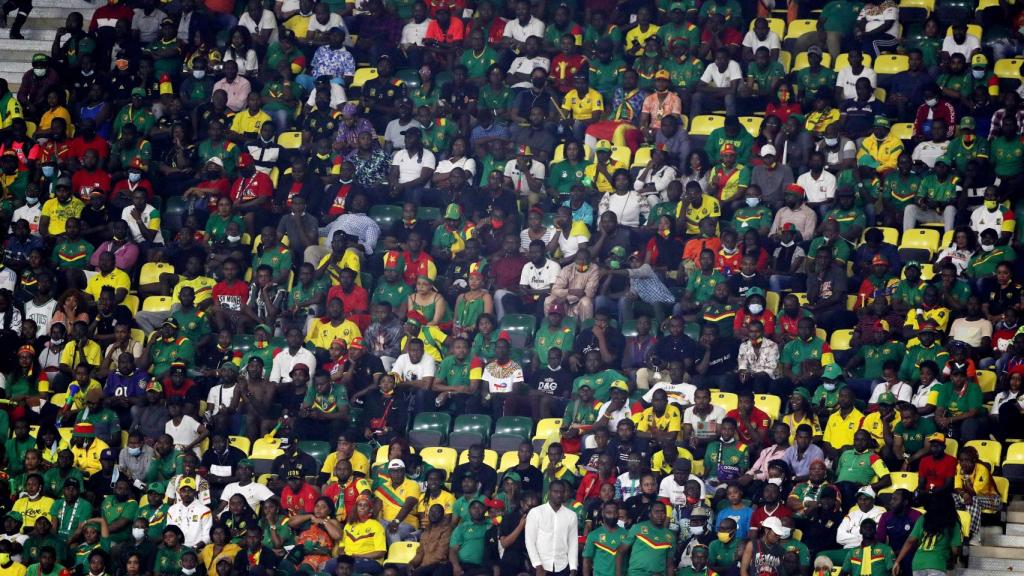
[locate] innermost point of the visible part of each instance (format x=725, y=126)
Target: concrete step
x=1015, y=506
x=79, y=5
x=1016, y=517
x=1001, y=552
x=1015, y=529
x=980, y=561
x=1004, y=541
x=10, y=47
x=59, y=11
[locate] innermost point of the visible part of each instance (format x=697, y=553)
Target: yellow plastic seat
x=1009, y=68
x=802, y=298
x=986, y=4
x=1003, y=486
x=989, y=452
x=772, y=301
x=441, y=457
x=362, y=76
x=770, y=404
x=928, y=5
x=903, y=130
x=265, y=478
x=402, y=552
x=510, y=459
x=621, y=154
x=843, y=61
x=548, y=429
x=1014, y=454
x=241, y=442
x=59, y=399
x=151, y=272
x=965, y=523
x=571, y=461
x=727, y=400
x=889, y=235
x=786, y=59
x=921, y=239
x=157, y=304
x=799, y=27
x=952, y=447
x=139, y=336
x=987, y=381
x=381, y=456
x=801, y=62
x=490, y=458
x=131, y=302
x=891, y=64
x=972, y=30
x=266, y=449
x=752, y=124
x=704, y=124
x=290, y=140
x=841, y=339
x=642, y=156
x=902, y=480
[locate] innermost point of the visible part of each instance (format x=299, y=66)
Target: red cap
x=795, y=189
x=504, y=335
x=245, y=160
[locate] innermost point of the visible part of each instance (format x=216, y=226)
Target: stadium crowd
x=673, y=288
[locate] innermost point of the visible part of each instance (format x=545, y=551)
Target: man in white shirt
x=293, y=355
x=960, y=42
x=394, y=133
x=538, y=276
x=31, y=211
x=190, y=516
x=552, y=534
x=673, y=486
x=525, y=175
x=846, y=79
x=415, y=31
x=522, y=27
x=412, y=167
x=761, y=36
x=928, y=151
x=521, y=69
x=993, y=215
x=819, y=184
x=718, y=84
x=253, y=492
x=414, y=367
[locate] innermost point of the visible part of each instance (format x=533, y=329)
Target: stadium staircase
x=1001, y=551
x=39, y=31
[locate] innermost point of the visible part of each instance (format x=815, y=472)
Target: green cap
x=912, y=264
x=40, y=58
x=140, y=92
x=245, y=462
x=513, y=476
x=229, y=365
x=968, y=123
x=882, y=121
x=802, y=392
x=887, y=398
x=453, y=212
x=16, y=516
x=263, y=327
x=603, y=146
x=832, y=372
x=755, y=291
x=676, y=6
x=158, y=487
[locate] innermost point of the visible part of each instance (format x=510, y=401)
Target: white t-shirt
x=267, y=22
x=524, y=238
x=706, y=427
x=410, y=167
x=220, y=398
x=681, y=394
x=847, y=80
x=333, y=20
x=8, y=279
x=281, y=371
x=519, y=182
x=467, y=164
x=519, y=33
x=338, y=96
x=982, y=219
x=820, y=190
x=185, y=433
x=29, y=214
x=920, y=399
x=970, y=44
x=393, y=133
x=674, y=492
x=148, y=214
x=569, y=244
x=614, y=416
x=41, y=314
x=902, y=391
x=542, y=278
x=722, y=79
x=501, y=379
x=254, y=493
x=413, y=33
x=524, y=65
x=771, y=41
x=970, y=331
x=928, y=152
x=409, y=370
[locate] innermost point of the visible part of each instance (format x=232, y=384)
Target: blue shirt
x=741, y=516
x=333, y=63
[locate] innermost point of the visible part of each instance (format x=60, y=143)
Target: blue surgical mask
x=134, y=451
x=49, y=171
x=752, y=202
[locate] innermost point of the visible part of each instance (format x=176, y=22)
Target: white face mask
x=829, y=386
x=752, y=202
x=988, y=247
x=134, y=177
x=234, y=238
x=776, y=481
x=787, y=244
x=830, y=142
x=31, y=200
x=755, y=309
x=199, y=74
x=188, y=571
x=39, y=72
x=979, y=74
x=931, y=102
x=621, y=523
x=138, y=533
x=697, y=530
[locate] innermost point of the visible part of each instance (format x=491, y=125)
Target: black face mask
x=539, y=83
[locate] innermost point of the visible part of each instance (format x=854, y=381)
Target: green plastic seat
x=244, y=343
x=410, y=76
x=318, y=449
x=174, y=213
x=385, y=215
x=509, y=432
x=629, y=328
x=470, y=429
x=428, y=214
x=520, y=327
x=430, y=429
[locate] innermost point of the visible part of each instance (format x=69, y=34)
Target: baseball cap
x=937, y=437
x=968, y=123
x=556, y=307
x=619, y=385
x=396, y=464
x=768, y=150
x=187, y=482
x=866, y=491
x=979, y=61
x=887, y=398
x=815, y=49
x=775, y=525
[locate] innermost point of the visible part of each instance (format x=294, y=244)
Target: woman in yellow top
x=800, y=412
x=974, y=490
x=220, y=547
x=56, y=109
x=364, y=539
